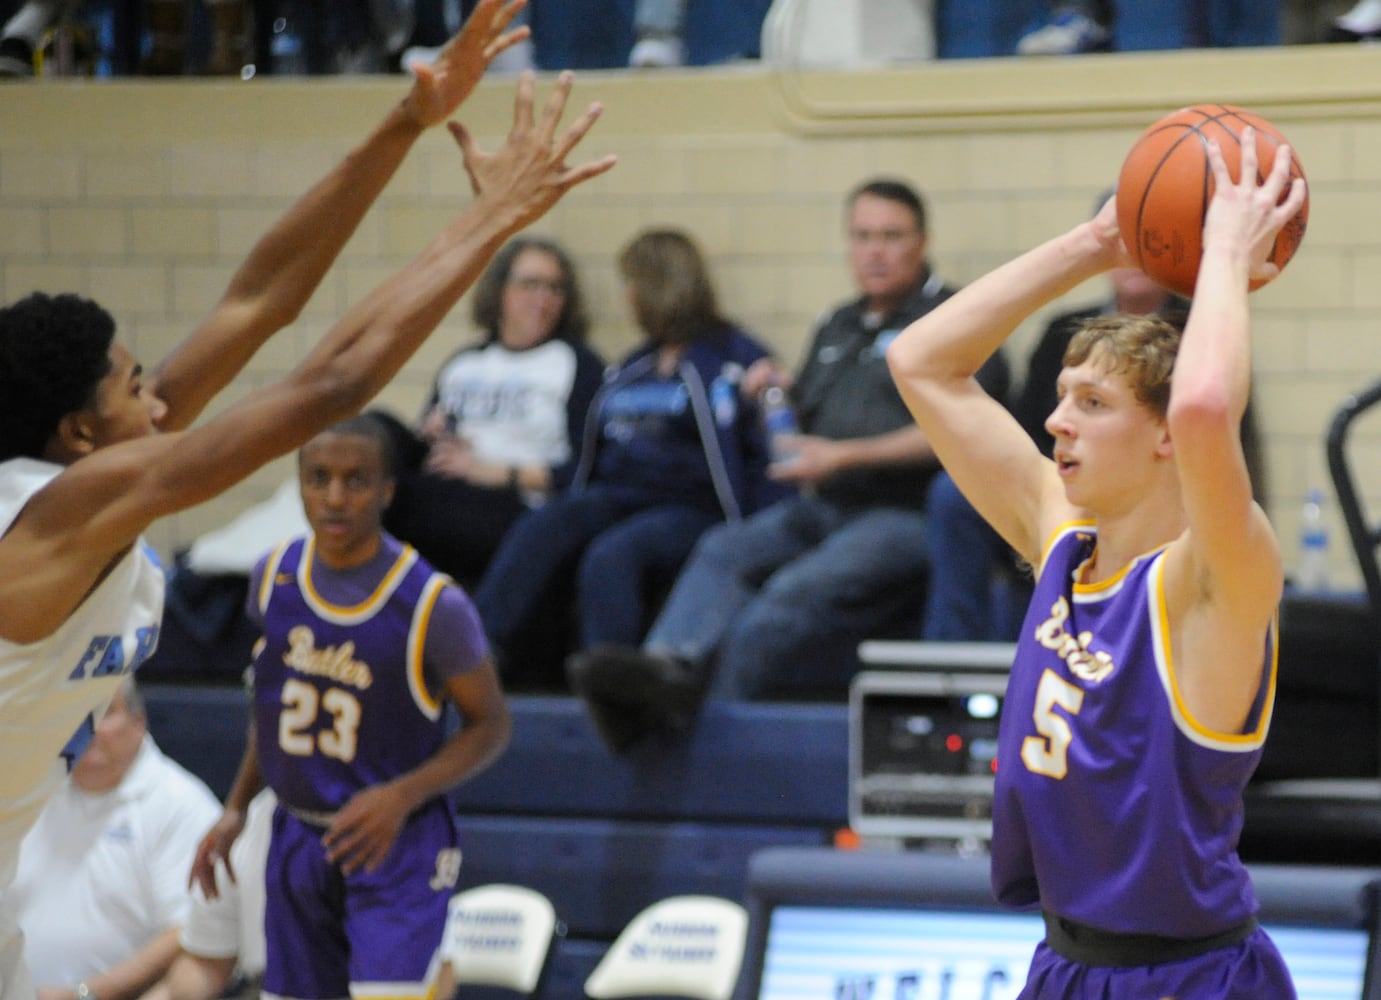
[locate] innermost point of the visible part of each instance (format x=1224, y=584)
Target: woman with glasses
x=501, y=430
x=671, y=447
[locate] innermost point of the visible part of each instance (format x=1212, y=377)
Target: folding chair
x=1364, y=531
x=682, y=946
x=500, y=935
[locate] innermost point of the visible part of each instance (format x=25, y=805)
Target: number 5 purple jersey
x=1114, y=807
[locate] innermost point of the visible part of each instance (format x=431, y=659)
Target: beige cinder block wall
x=146, y=194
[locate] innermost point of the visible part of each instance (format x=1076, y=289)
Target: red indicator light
x=954, y=742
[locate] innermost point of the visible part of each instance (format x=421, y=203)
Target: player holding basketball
x=362, y=644
x=84, y=469
x=1143, y=682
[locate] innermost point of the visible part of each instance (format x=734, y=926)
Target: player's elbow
x=332, y=391
x=501, y=730
x=1201, y=413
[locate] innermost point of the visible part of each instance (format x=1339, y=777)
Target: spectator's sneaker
x=16, y=59
x=1361, y=24
x=657, y=52
x=1069, y=32
x=632, y=695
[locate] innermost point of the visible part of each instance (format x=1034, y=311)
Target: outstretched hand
x=1247, y=214
x=440, y=88
x=528, y=173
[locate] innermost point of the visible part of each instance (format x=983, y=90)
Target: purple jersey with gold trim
x=1113, y=806
x=342, y=700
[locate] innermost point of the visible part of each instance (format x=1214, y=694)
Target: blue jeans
x=619, y=551
x=783, y=598
x=963, y=603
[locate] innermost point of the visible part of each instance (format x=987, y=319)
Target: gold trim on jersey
x=427, y=703
x=1184, y=719
x=366, y=609
x=270, y=578
x=1060, y=531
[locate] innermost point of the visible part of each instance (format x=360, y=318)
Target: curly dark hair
x=487, y=308
x=54, y=351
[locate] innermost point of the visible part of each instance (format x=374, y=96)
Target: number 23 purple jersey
x=341, y=699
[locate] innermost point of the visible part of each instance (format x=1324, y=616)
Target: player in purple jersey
x=363, y=644
x=1145, y=669
x=94, y=448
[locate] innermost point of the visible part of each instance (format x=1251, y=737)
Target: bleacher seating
x=598, y=34
x=604, y=836
x=601, y=836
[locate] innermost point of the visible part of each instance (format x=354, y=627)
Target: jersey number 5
x=301, y=707
x=1048, y=753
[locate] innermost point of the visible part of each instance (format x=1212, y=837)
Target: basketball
x=1166, y=184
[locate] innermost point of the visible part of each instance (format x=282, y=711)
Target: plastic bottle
x=286, y=49
x=1311, y=571
x=724, y=399
x=780, y=421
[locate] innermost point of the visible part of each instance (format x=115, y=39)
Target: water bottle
x=1311, y=572
x=724, y=399
x=779, y=419
x=288, y=54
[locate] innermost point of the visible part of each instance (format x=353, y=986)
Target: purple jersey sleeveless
x=347, y=695
x=1113, y=806
x=341, y=699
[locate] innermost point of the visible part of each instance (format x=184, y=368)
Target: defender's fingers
x=522, y=101
x=506, y=40
x=579, y=175
x=556, y=102
x=463, y=138
x=577, y=131
x=490, y=17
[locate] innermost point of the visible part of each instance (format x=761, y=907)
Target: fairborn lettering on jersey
x=1083, y=663
x=105, y=654
x=336, y=662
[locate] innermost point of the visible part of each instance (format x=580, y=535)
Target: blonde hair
x=1141, y=348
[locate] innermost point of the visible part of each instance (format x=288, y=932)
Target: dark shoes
x=16, y=59
x=632, y=695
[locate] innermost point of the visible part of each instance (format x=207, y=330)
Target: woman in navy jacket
x=670, y=447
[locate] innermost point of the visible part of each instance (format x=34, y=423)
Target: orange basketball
x=1166, y=184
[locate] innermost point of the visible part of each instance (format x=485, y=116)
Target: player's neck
x=1151, y=523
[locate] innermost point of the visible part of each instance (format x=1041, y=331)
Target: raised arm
x=935, y=362
x=1224, y=579
x=69, y=533
x=287, y=264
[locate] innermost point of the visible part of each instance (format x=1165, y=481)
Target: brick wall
x=146, y=194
